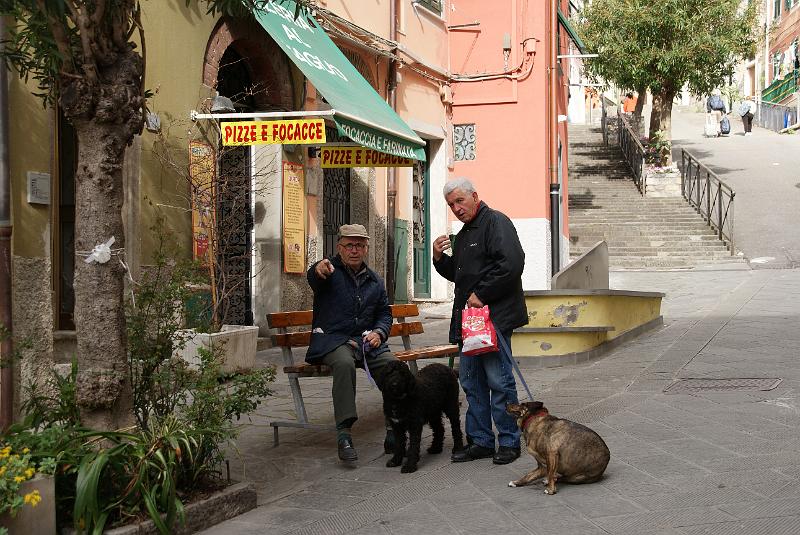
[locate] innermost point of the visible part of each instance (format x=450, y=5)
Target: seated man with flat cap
x=352, y=321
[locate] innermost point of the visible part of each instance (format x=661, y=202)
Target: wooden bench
x=283, y=321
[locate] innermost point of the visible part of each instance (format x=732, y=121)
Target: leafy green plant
x=216, y=404
x=139, y=472
x=659, y=148
x=154, y=320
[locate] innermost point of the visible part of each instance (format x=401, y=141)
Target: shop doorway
x=335, y=199
x=64, y=225
x=421, y=227
x=233, y=202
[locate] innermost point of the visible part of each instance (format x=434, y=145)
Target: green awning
x=571, y=31
x=359, y=111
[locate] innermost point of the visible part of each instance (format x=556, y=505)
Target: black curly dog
x=410, y=402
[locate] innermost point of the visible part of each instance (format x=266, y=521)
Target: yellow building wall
x=176, y=38
x=30, y=146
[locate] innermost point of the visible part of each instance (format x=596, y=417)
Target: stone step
x=660, y=252
x=687, y=262
x=645, y=243
x=647, y=239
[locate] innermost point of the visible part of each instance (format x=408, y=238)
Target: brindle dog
x=563, y=450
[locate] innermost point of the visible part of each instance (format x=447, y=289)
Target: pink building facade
x=500, y=65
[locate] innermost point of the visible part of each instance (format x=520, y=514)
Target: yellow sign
x=202, y=166
x=294, y=219
x=290, y=132
x=331, y=157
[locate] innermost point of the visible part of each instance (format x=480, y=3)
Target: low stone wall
x=663, y=184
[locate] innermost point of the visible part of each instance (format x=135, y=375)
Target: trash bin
x=197, y=309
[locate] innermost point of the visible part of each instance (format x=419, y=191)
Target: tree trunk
x=640, y=100
x=106, y=117
x=661, y=118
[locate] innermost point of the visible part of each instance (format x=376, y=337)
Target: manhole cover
x=722, y=385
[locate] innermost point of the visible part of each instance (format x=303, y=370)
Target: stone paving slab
x=686, y=463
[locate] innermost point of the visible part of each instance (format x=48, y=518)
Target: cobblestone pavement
x=714, y=462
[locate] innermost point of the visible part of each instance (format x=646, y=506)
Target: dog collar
x=526, y=420
x=531, y=416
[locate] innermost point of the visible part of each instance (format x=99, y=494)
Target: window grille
x=464, y=138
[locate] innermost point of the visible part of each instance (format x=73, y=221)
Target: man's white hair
x=461, y=183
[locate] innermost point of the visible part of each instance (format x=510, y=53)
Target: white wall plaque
x=38, y=188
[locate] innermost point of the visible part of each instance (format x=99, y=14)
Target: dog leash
x=364, y=350
x=507, y=351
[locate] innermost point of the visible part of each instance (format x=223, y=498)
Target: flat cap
x=353, y=231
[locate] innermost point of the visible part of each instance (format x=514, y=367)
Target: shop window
x=430, y=5
x=464, y=140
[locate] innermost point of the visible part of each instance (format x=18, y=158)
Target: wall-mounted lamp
x=313, y=152
x=222, y=104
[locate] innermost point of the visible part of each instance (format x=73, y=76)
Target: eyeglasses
x=354, y=246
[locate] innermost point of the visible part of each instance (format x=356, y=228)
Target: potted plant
x=27, y=494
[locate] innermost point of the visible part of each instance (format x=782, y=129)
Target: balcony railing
x=780, y=89
x=775, y=117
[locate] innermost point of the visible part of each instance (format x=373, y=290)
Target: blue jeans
x=488, y=382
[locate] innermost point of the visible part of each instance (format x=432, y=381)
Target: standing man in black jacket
x=351, y=318
x=486, y=267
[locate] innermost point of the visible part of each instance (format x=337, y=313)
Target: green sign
x=361, y=114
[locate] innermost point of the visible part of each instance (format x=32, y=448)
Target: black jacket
x=488, y=260
x=343, y=310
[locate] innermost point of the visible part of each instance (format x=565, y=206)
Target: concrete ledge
x=224, y=505
x=624, y=293
x=603, y=328
x=554, y=361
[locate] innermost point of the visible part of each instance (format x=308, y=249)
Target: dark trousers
x=343, y=363
x=747, y=120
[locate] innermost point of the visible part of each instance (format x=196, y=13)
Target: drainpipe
x=6, y=347
x=552, y=138
x=391, y=185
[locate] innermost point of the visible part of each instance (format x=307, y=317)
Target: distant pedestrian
x=629, y=104
x=746, y=109
x=716, y=108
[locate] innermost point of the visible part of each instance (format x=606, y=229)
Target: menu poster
x=294, y=219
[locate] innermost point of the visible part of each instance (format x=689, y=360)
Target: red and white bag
x=477, y=331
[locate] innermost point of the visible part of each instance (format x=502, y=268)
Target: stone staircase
x=604, y=204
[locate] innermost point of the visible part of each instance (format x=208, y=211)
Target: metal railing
x=710, y=196
x=633, y=151
x=775, y=117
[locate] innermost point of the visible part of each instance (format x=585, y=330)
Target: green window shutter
x=777, y=9
x=436, y=5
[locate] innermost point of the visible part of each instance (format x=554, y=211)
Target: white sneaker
x=748, y=133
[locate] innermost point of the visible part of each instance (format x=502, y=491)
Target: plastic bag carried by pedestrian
x=477, y=331
x=725, y=125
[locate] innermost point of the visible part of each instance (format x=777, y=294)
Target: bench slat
x=427, y=352
x=304, y=317
x=320, y=370
x=290, y=319
x=303, y=338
